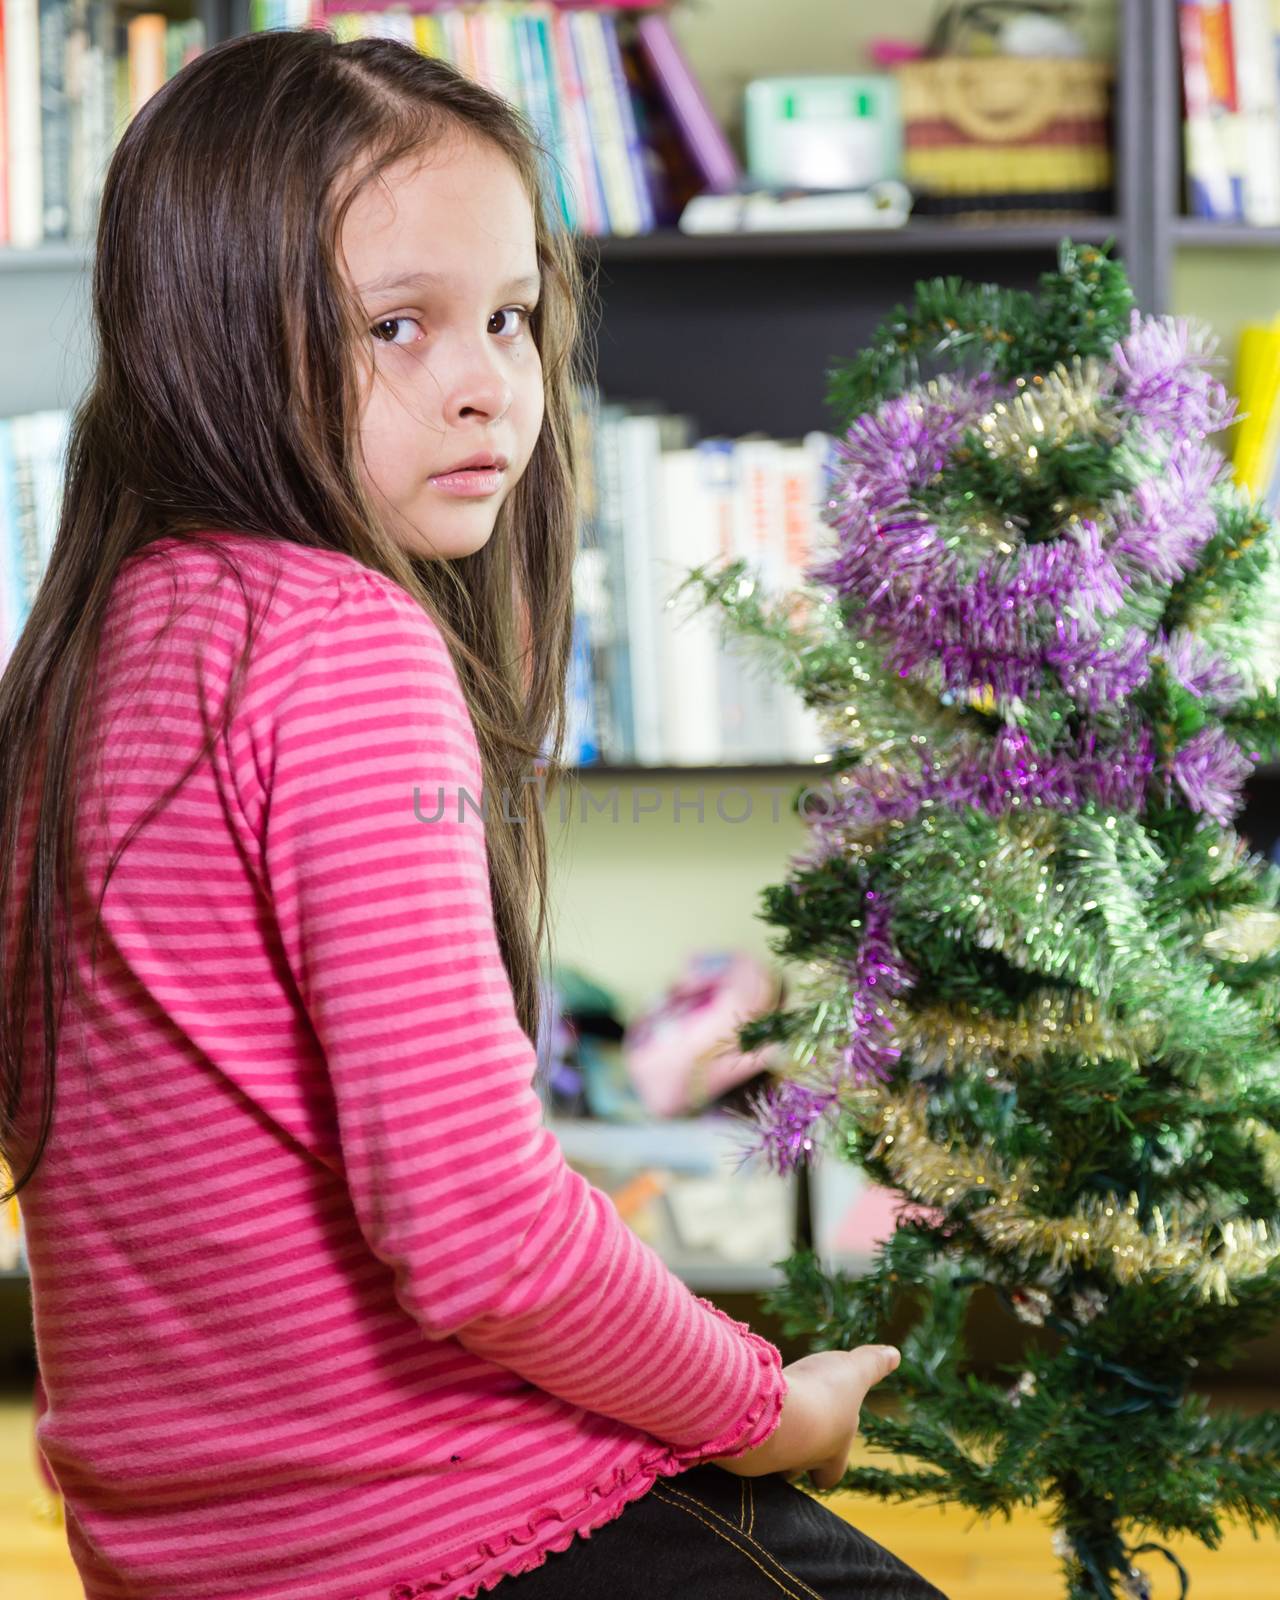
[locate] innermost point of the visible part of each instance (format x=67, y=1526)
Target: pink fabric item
x=683, y=1052
x=320, y=1309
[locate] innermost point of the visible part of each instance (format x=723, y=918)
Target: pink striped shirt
x=320, y=1310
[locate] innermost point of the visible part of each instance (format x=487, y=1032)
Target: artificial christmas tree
x=1037, y=970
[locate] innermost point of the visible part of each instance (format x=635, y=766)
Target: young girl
x=320, y=1311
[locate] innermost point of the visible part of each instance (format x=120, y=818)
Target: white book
x=49, y=434
x=501, y=61
x=638, y=452
x=388, y=25
x=803, y=492
x=689, y=635
x=10, y=543
x=645, y=432
x=26, y=566
x=22, y=101
x=760, y=541
x=720, y=471
x=1258, y=98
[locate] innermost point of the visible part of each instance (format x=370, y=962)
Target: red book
x=1219, y=54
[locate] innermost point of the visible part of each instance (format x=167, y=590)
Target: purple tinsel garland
x=1011, y=773
x=786, y=1114
x=1010, y=627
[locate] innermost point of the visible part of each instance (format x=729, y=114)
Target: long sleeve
x=375, y=863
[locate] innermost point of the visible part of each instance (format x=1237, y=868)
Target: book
x=595, y=723
x=620, y=103
x=55, y=131
x=611, y=520
x=804, y=539
x=764, y=531
x=886, y=204
x=1258, y=110
x=672, y=177
x=589, y=204
x=1257, y=442
x=606, y=136
x=686, y=538
x=645, y=433
x=23, y=142
x=705, y=140
x=720, y=473
x=563, y=128
x=1215, y=180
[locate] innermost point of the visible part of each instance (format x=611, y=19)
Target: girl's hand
x=819, y=1421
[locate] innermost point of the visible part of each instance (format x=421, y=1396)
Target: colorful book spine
x=703, y=135
x=614, y=522
x=32, y=465
x=608, y=135
x=588, y=197
x=1211, y=134
x=721, y=470
x=687, y=637
x=619, y=94
x=22, y=97
x=1258, y=96
x=761, y=533
x=557, y=125
x=55, y=162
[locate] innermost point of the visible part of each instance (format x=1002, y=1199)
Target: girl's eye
x=524, y=312
x=518, y=311
x=388, y=322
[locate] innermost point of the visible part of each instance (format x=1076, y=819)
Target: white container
x=815, y=131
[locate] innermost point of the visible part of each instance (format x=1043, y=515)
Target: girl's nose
x=479, y=384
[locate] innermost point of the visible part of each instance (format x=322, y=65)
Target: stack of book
x=1231, y=97
x=609, y=92
x=650, y=684
x=658, y=682
x=72, y=74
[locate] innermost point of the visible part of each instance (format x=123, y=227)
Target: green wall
x=1227, y=288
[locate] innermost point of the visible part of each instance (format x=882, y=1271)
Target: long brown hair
x=226, y=396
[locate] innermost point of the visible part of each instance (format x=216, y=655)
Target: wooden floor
x=1000, y=1561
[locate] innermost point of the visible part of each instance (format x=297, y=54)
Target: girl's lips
x=474, y=481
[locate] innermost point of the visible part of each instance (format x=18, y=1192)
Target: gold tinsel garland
x=1104, y=1233
x=1050, y=410
x=951, y=1037
x=947, y=1037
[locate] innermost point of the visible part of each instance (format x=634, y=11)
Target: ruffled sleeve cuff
x=763, y=1412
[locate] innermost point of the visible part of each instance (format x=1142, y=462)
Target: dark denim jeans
x=709, y=1534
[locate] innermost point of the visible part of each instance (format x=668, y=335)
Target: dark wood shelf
x=922, y=236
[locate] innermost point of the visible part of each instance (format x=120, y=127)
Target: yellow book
x=426, y=35
x=1258, y=388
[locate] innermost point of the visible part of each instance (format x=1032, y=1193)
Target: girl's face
x=442, y=256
